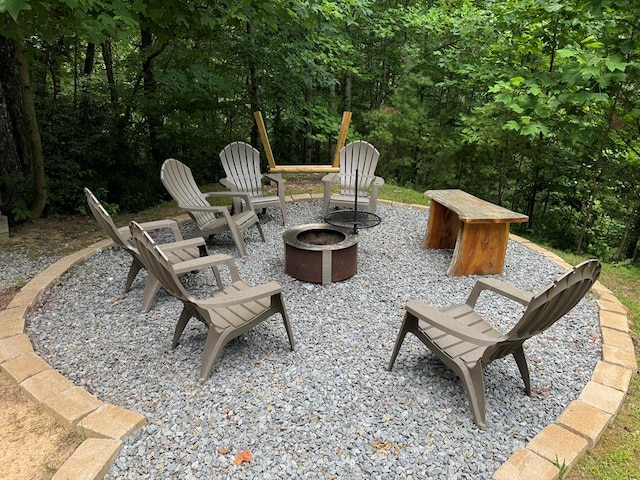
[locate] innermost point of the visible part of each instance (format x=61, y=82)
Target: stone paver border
x=105, y=425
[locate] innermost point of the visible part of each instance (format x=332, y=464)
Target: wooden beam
x=344, y=129
x=265, y=140
x=304, y=169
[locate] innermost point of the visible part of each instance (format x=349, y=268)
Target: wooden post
x=344, y=129
x=265, y=139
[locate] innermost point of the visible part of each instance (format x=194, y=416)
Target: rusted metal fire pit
x=320, y=253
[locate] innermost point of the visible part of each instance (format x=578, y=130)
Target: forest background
x=530, y=104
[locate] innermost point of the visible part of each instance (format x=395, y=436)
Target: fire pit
x=320, y=253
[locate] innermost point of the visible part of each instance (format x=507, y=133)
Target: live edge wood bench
x=477, y=230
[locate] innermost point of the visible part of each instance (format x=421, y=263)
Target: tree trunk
x=33, y=133
x=625, y=236
x=53, y=54
x=347, y=92
x=593, y=191
x=254, y=90
x=89, y=60
x=308, y=147
x=107, y=57
x=13, y=138
x=154, y=120
x=332, y=108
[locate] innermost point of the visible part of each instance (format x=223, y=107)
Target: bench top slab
x=472, y=209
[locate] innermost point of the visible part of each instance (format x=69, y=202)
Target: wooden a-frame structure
x=331, y=168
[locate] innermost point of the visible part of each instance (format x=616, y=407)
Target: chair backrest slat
x=556, y=300
x=179, y=182
x=362, y=156
x=241, y=163
x=157, y=262
x=105, y=221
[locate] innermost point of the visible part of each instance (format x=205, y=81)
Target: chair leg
x=277, y=302
x=283, y=208
x=136, y=266
x=473, y=382
x=521, y=360
x=150, y=290
x=260, y=231
x=409, y=324
x=185, y=316
x=212, y=348
x=238, y=239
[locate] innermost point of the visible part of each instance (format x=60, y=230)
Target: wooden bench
x=477, y=230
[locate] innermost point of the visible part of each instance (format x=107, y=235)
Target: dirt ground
x=33, y=445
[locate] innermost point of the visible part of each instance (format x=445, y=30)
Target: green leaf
x=511, y=125
x=14, y=7
x=566, y=52
x=614, y=64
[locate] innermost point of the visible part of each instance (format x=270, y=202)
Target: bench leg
x=480, y=249
x=443, y=227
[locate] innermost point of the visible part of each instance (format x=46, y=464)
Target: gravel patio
x=330, y=409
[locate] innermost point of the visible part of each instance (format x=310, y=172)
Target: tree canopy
x=531, y=104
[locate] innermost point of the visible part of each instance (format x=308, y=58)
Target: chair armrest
x=242, y=195
x=448, y=324
x=502, y=288
x=153, y=225
x=195, y=242
x=331, y=177
x=227, y=183
x=277, y=178
x=378, y=182
x=223, y=300
x=202, y=262
x=202, y=208
x=274, y=177
x=213, y=261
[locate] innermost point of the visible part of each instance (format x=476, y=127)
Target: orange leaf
x=243, y=456
x=381, y=446
x=224, y=451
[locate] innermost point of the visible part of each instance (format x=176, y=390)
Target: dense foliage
x=532, y=104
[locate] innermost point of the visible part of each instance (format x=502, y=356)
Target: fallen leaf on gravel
x=243, y=456
x=224, y=451
x=382, y=446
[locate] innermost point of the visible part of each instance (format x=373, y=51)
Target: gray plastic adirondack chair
x=188, y=255
x=179, y=182
x=466, y=343
x=235, y=310
x=241, y=163
x=361, y=156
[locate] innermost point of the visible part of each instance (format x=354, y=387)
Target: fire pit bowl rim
x=290, y=237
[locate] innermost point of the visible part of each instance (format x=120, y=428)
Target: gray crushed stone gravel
x=19, y=266
x=329, y=409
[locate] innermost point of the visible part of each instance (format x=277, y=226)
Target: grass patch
x=403, y=195
x=617, y=454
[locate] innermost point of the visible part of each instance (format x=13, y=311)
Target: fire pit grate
x=352, y=219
